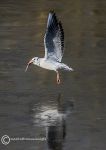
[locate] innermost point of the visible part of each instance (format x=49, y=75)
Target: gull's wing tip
x=52, y=12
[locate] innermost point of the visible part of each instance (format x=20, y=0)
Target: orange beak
x=29, y=63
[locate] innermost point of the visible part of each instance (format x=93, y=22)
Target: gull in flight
x=54, y=47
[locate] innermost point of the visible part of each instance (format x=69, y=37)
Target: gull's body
x=51, y=64
x=54, y=45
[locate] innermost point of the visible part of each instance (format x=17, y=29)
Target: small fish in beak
x=29, y=63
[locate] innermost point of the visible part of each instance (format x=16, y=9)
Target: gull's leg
x=58, y=77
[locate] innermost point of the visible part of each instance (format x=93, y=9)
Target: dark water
x=72, y=116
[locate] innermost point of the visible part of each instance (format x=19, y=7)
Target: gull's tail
x=67, y=68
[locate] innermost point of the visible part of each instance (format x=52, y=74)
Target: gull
x=54, y=47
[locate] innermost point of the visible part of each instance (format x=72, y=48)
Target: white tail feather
x=65, y=67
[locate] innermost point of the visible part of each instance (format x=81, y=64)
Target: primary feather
x=54, y=38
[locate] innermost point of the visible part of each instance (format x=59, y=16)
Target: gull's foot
x=58, y=81
x=58, y=78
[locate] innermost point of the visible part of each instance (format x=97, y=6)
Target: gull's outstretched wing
x=54, y=38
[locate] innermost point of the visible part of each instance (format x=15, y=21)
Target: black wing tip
x=62, y=34
x=61, y=28
x=54, y=19
x=52, y=12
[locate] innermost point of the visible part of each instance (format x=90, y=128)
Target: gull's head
x=34, y=61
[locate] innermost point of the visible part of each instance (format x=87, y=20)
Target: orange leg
x=58, y=77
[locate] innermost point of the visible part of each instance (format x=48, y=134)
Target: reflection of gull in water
x=53, y=118
x=47, y=115
x=54, y=45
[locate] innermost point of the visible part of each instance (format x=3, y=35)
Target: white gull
x=54, y=47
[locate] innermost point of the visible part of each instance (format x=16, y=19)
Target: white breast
x=47, y=64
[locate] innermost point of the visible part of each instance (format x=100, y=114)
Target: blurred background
x=71, y=115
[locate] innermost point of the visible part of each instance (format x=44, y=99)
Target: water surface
x=70, y=115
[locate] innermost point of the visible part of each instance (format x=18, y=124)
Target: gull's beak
x=29, y=63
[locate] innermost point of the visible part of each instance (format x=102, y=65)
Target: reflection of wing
x=54, y=38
